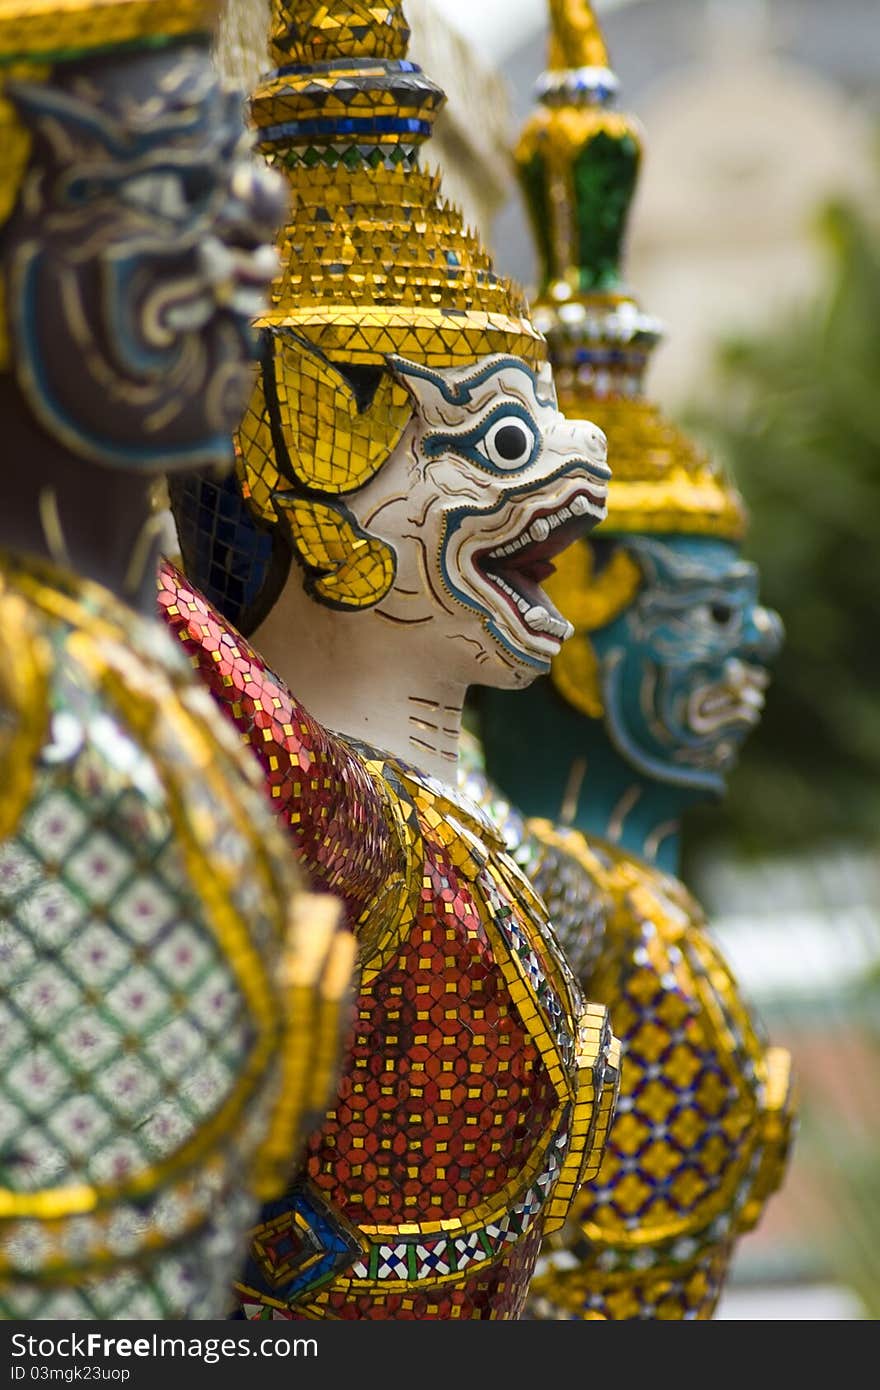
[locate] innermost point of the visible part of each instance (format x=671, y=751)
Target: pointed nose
x=765, y=635
x=587, y=439
x=260, y=195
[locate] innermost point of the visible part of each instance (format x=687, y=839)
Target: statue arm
x=347, y=829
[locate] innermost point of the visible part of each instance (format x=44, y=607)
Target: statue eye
x=510, y=443
x=714, y=617
x=161, y=192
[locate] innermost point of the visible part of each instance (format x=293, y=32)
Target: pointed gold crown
x=375, y=262
x=374, y=259
x=578, y=163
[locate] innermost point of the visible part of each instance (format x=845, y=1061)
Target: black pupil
x=721, y=614
x=511, y=442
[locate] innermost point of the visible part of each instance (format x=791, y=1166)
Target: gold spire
x=310, y=32
x=374, y=259
x=578, y=164
x=575, y=37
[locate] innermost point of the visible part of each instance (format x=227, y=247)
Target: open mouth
x=517, y=569
x=739, y=699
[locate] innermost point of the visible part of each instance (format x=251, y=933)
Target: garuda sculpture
x=172, y=1000
x=407, y=480
x=642, y=718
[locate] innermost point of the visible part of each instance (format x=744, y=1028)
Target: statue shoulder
x=636, y=885
x=574, y=882
x=25, y=666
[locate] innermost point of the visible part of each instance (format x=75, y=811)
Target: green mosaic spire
x=578, y=161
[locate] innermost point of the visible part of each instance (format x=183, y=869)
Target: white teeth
x=190, y=315
x=217, y=261
x=265, y=262
x=537, y=618
x=542, y=526
x=248, y=302
x=534, y=616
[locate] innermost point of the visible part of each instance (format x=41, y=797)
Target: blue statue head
x=672, y=651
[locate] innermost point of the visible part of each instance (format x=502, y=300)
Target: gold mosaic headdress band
x=375, y=260
x=55, y=31
x=578, y=163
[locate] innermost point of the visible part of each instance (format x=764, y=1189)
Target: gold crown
x=37, y=34
x=375, y=262
x=578, y=163
x=56, y=31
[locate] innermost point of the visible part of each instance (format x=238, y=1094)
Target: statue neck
x=362, y=675
x=93, y=521
x=606, y=798
x=574, y=776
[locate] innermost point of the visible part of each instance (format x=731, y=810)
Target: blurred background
x=756, y=239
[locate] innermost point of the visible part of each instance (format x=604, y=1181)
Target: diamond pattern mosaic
x=703, y=1123
x=704, y=1118
x=148, y=1092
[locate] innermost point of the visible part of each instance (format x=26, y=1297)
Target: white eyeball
x=510, y=443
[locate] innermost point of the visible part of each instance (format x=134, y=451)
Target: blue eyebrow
x=466, y=444
x=461, y=393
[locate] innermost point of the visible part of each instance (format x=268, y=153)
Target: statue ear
x=589, y=596
x=590, y=600
x=305, y=442
x=346, y=568
x=335, y=443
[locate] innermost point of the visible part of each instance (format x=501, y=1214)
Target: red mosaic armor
x=478, y=1086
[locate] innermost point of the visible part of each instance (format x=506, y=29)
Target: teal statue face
x=685, y=666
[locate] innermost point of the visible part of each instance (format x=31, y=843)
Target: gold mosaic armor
x=478, y=1086
x=703, y=1124
x=704, y=1118
x=170, y=1001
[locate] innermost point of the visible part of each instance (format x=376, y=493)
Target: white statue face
x=488, y=483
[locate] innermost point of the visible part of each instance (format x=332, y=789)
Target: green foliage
x=798, y=422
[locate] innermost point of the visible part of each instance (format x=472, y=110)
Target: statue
x=404, y=482
x=172, y=1000
x=642, y=718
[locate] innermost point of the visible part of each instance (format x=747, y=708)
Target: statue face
x=138, y=254
x=684, y=667
x=488, y=483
